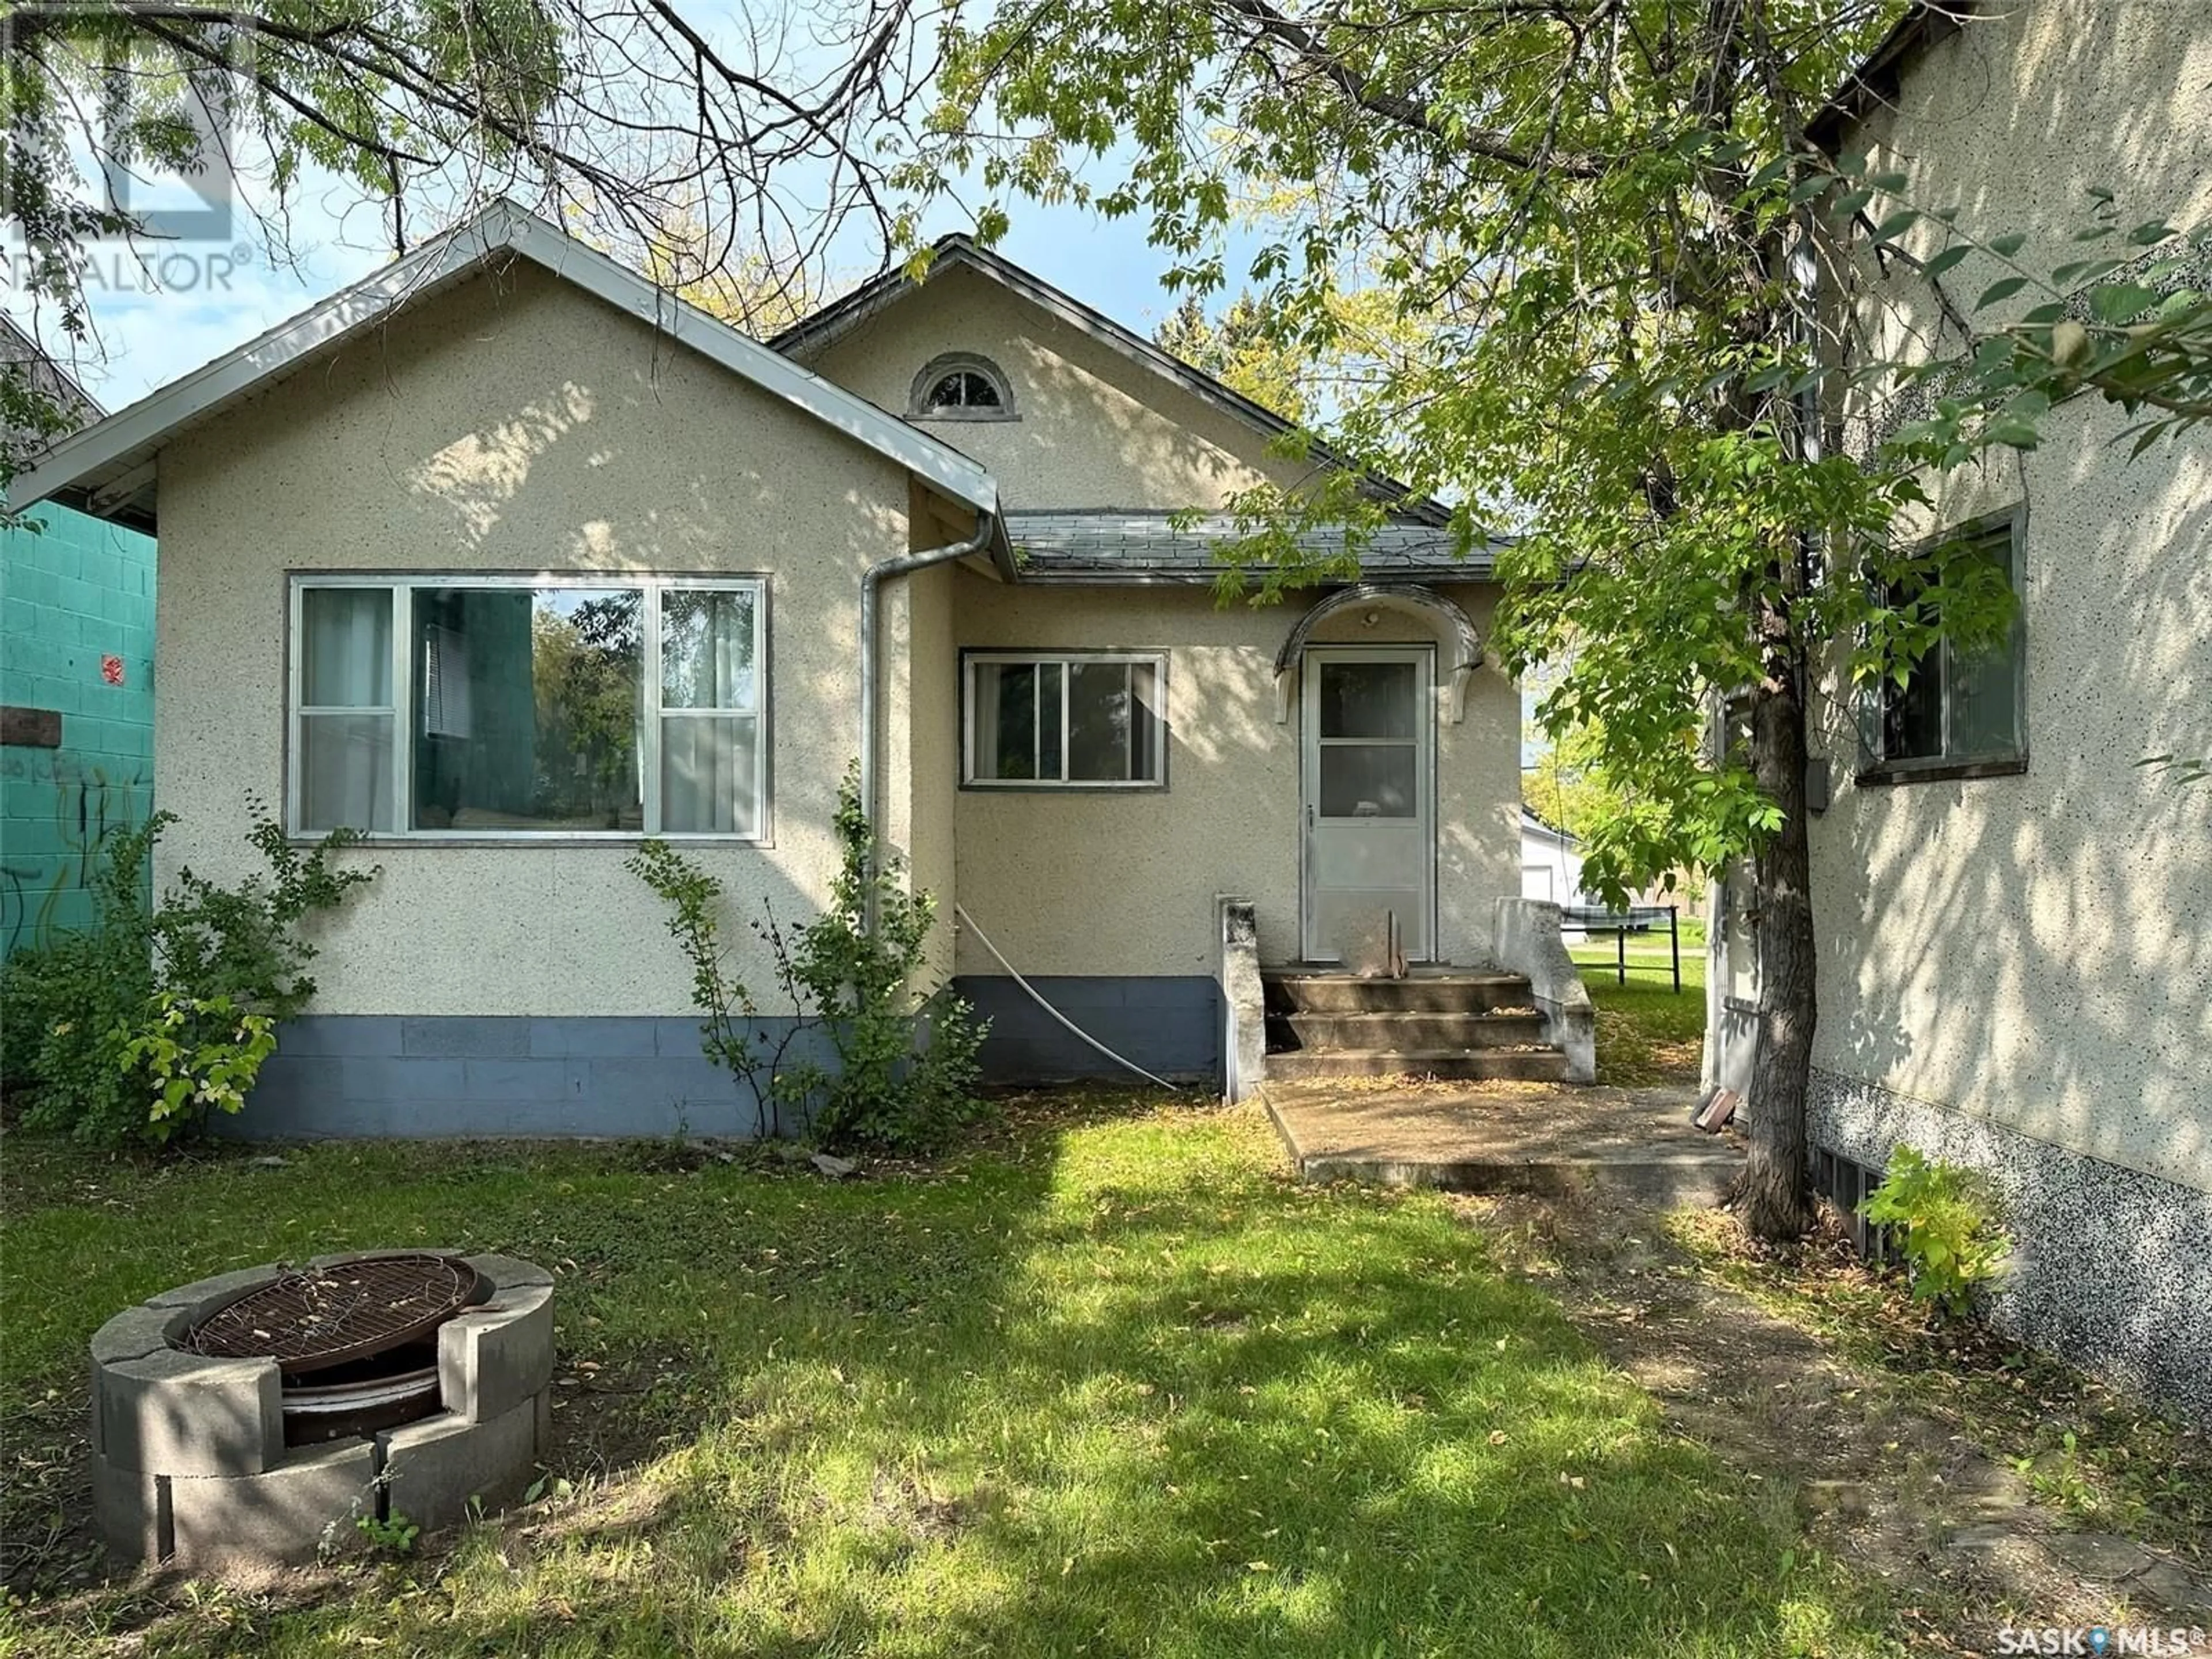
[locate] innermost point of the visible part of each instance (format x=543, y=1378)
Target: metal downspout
x=871, y=580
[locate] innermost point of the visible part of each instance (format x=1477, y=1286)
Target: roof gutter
x=872, y=581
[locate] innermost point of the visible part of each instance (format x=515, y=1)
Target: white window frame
x=401, y=584
x=971, y=661
x=934, y=374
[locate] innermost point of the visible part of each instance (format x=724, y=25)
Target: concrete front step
x=1401, y=1030
x=1538, y=1065
x=1632, y=1144
x=1297, y=991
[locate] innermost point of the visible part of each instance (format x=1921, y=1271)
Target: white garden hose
x=1035, y=995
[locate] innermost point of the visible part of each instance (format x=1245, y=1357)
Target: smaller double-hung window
x=514, y=707
x=1087, y=720
x=1958, y=711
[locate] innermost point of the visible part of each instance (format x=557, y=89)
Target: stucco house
x=507, y=558
x=2014, y=913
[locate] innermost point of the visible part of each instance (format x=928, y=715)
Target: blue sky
x=149, y=333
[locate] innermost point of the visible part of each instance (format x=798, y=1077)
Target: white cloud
x=160, y=310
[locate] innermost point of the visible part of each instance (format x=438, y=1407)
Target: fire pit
x=249, y=1421
x=354, y=1342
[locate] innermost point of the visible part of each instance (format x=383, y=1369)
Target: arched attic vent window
x=962, y=387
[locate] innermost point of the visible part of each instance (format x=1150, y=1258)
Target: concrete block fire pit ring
x=199, y=1464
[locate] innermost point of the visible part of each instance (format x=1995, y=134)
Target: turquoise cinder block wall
x=74, y=594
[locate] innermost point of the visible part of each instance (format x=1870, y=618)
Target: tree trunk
x=1774, y=1193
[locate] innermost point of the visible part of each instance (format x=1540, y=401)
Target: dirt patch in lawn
x=1918, y=1497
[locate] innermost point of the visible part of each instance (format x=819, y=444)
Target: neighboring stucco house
x=507, y=558
x=2013, y=913
x=76, y=691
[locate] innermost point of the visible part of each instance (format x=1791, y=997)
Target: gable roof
x=108, y=467
x=1874, y=82
x=71, y=401
x=1531, y=819
x=840, y=317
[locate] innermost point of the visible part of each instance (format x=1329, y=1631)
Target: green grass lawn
x=1105, y=1382
x=1647, y=1032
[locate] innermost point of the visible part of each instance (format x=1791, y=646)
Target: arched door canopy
x=1460, y=639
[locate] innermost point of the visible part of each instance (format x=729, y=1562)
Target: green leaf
x=2003, y=288
x=1944, y=260
x=2117, y=302
x=1898, y=222
x=2156, y=230
x=2008, y=244
x=1773, y=173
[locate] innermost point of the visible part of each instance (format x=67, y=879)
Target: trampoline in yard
x=1636, y=919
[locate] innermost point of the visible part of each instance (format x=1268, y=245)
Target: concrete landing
x=1504, y=1137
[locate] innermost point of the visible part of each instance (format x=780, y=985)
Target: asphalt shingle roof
x=1106, y=542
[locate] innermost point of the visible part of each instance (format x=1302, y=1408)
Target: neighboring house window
x=528, y=706
x=1095, y=720
x=959, y=387
x=1956, y=709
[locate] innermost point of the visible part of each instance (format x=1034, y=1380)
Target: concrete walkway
x=1504, y=1137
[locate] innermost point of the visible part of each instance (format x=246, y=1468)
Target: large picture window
x=1094, y=721
x=521, y=707
x=1957, y=710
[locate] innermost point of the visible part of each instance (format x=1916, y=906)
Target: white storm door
x=1369, y=812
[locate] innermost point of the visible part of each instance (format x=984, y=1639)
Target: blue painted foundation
x=1171, y=1024
x=374, y=1075
x=363, y=1076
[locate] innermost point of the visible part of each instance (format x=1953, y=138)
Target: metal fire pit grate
x=326, y=1316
